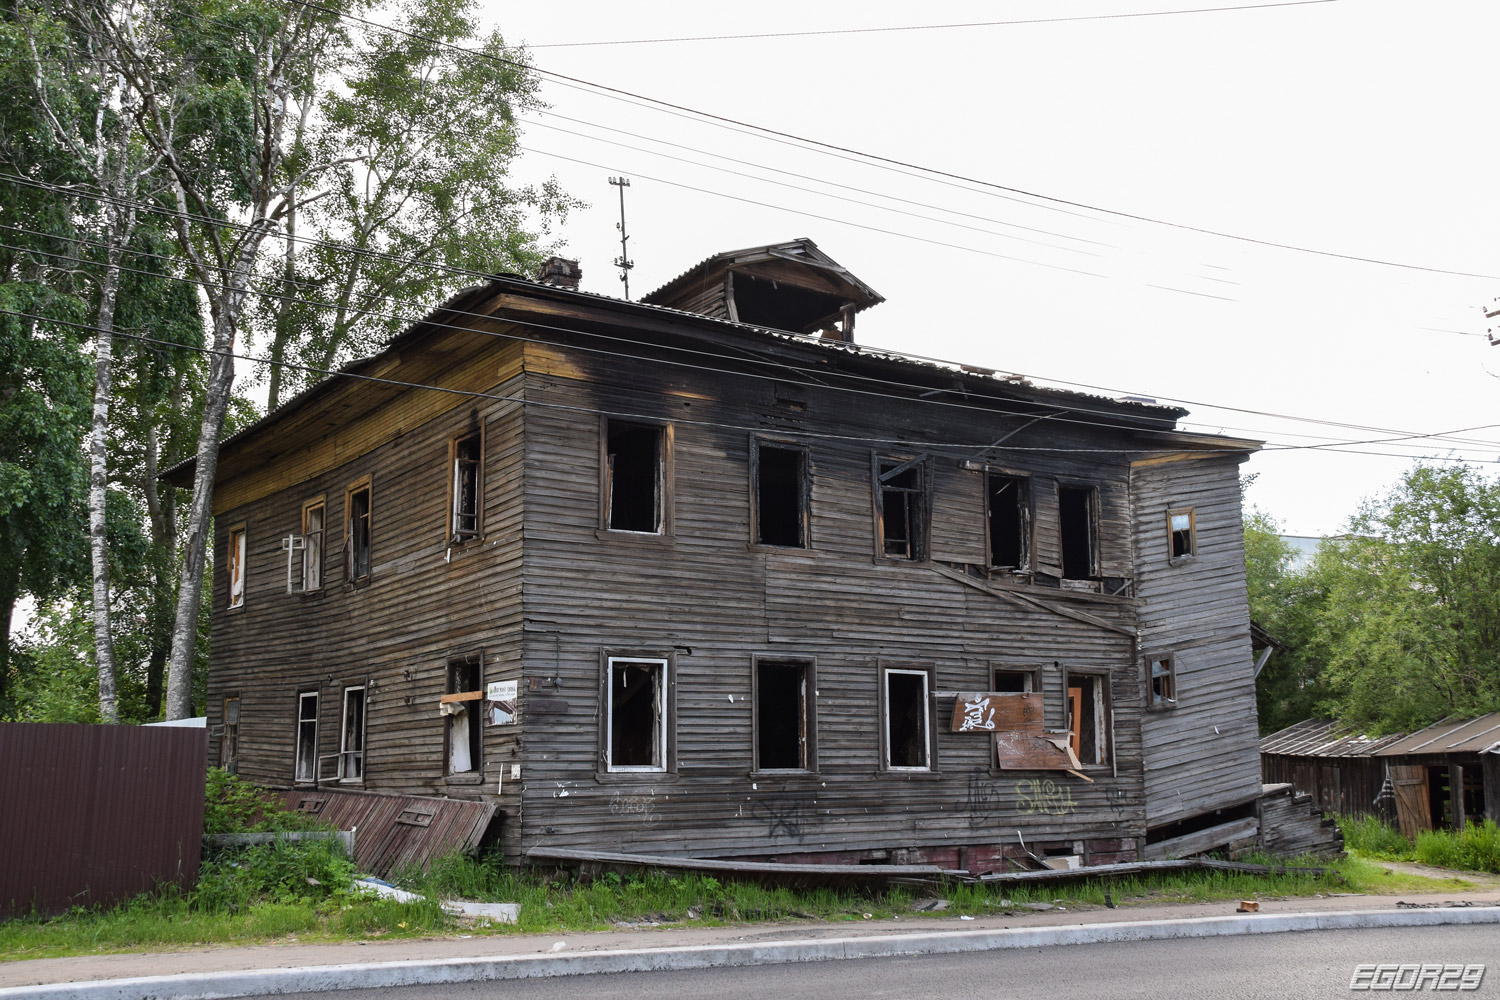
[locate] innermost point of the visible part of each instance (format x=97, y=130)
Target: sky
x=1356, y=128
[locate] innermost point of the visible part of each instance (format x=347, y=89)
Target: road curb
x=262, y=982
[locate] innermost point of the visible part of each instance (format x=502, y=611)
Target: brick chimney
x=561, y=272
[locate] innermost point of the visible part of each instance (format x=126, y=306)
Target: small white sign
x=501, y=696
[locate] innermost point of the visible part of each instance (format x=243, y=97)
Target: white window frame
x=661, y=714
x=925, y=715
x=344, y=751
x=306, y=775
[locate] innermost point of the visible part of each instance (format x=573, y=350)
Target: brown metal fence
x=96, y=814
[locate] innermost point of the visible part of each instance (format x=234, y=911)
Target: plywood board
x=994, y=711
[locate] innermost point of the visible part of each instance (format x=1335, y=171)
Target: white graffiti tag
x=977, y=715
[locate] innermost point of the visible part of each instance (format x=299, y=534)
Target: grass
x=1475, y=848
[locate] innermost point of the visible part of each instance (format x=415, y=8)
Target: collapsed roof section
x=790, y=286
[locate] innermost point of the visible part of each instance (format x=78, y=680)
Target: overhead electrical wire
x=1329, y=444
x=923, y=27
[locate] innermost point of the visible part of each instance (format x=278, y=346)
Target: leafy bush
x=306, y=872
x=233, y=805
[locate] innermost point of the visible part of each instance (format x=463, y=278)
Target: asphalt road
x=1303, y=965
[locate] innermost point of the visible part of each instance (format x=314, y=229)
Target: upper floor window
x=1008, y=509
x=780, y=487
x=465, y=509
x=235, y=565
x=901, y=507
x=357, y=532
x=635, y=476
x=1078, y=525
x=1182, y=533
x=304, y=551
x=1162, y=678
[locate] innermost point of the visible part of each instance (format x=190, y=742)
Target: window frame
x=365, y=485
x=666, y=738
x=1154, y=703
x=319, y=502
x=229, y=740
x=664, y=476
x=455, y=535
x=1032, y=675
x=1103, y=730
x=1173, y=558
x=920, y=529
x=363, y=687
x=473, y=711
x=804, y=490
x=237, y=553
x=312, y=769
x=1028, y=521
x=1095, y=517
x=808, y=711
x=928, y=716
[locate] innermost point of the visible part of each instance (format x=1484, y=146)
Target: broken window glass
x=1078, y=519
x=636, y=739
x=634, y=477
x=465, y=515
x=1163, y=682
x=780, y=496
x=783, y=723
x=1182, y=529
x=901, y=490
x=907, y=733
x=1009, y=505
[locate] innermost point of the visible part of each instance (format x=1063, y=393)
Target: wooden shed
x=702, y=575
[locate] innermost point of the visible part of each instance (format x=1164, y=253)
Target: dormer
x=790, y=286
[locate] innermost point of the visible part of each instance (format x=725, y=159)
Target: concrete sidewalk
x=288, y=968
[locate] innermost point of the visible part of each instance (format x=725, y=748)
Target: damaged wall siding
x=713, y=602
x=421, y=608
x=1204, y=753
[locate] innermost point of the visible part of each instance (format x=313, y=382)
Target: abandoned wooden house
x=700, y=575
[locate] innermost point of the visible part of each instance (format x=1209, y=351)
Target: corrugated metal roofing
x=1449, y=736
x=394, y=831
x=1318, y=738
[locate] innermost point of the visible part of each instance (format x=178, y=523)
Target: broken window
x=783, y=715
x=1182, y=533
x=463, y=522
x=1087, y=710
x=357, y=533
x=634, y=476
x=1162, y=671
x=1078, y=520
x=1007, y=681
x=352, y=740
x=229, y=744
x=901, y=506
x=313, y=513
x=461, y=706
x=236, y=566
x=1008, y=502
x=908, y=731
x=635, y=736
x=781, y=488
x=307, y=737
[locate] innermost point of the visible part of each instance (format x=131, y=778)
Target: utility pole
x=623, y=262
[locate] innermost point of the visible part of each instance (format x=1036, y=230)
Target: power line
x=922, y=27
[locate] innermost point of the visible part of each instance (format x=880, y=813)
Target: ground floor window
x=352, y=740
x=461, y=707
x=307, y=737
x=907, y=728
x=783, y=715
x=635, y=737
x=1088, y=718
x=229, y=744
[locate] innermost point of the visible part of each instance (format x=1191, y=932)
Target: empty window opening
x=900, y=488
x=907, y=734
x=464, y=732
x=1014, y=681
x=1183, y=533
x=782, y=721
x=1163, y=682
x=781, y=306
x=464, y=522
x=634, y=476
x=229, y=744
x=781, y=496
x=236, y=567
x=307, y=736
x=1009, y=505
x=1086, y=719
x=357, y=534
x=312, y=548
x=636, y=740
x=1079, y=523
x=352, y=740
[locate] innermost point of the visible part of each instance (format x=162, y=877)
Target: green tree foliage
x=1290, y=687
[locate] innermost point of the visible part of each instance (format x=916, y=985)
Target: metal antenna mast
x=623, y=262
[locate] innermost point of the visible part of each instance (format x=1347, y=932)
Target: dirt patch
x=1478, y=880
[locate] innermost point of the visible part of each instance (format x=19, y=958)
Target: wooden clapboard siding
x=1204, y=753
x=712, y=602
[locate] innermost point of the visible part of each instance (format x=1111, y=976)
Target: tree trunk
x=285, y=332
x=163, y=552
x=104, y=646
x=10, y=589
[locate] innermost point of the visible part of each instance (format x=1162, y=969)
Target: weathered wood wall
x=1204, y=753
